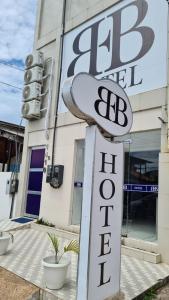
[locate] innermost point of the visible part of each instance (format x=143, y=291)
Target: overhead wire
x=11, y=66
x=14, y=174
x=10, y=85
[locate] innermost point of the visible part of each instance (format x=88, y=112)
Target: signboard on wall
x=126, y=43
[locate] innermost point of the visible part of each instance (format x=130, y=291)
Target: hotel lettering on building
x=126, y=41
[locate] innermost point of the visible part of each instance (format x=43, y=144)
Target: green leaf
x=55, y=242
x=72, y=246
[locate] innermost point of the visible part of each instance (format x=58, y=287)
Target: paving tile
x=25, y=257
x=30, y=246
x=7, y=224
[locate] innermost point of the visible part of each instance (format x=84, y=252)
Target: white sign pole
x=86, y=213
x=100, y=241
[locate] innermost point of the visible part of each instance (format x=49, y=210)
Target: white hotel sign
x=101, y=102
x=126, y=43
x=100, y=241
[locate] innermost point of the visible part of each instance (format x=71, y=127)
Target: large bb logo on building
x=112, y=41
x=122, y=44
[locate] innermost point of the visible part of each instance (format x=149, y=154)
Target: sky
x=17, y=25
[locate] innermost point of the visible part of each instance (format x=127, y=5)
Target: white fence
x=5, y=199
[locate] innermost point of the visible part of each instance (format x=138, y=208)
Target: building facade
x=126, y=41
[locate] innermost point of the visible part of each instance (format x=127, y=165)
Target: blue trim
x=142, y=188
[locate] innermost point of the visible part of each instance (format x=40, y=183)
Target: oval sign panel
x=103, y=102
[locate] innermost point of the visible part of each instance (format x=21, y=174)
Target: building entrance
x=140, y=194
x=33, y=194
x=140, y=184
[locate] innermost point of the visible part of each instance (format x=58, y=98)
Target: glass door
x=35, y=176
x=141, y=184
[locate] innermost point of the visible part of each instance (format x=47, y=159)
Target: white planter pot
x=4, y=243
x=55, y=274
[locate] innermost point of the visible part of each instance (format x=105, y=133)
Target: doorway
x=34, y=186
x=141, y=184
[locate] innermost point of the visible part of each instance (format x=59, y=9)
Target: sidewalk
x=13, y=287
x=32, y=245
x=163, y=293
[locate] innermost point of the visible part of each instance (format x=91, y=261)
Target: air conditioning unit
x=31, y=110
x=32, y=91
x=35, y=59
x=33, y=74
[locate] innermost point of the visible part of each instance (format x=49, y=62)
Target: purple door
x=35, y=182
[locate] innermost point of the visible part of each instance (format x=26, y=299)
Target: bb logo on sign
x=102, y=102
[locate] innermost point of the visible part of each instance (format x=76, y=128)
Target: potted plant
x=5, y=238
x=56, y=266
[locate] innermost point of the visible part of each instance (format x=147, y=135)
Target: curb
x=160, y=283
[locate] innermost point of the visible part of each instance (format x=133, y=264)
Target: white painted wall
x=163, y=207
x=5, y=199
x=56, y=204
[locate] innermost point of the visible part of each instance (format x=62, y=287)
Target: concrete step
x=141, y=254
x=64, y=233
x=140, y=249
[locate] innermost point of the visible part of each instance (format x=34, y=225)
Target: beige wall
x=56, y=204
x=163, y=207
